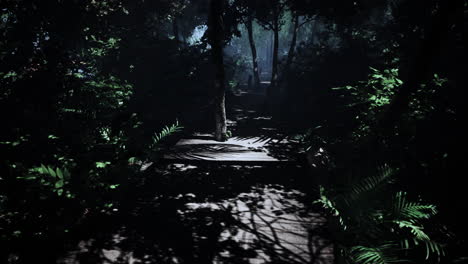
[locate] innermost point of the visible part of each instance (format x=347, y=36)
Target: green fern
x=165, y=132
x=408, y=216
x=366, y=217
x=402, y=209
x=373, y=255
x=329, y=205
x=368, y=185
x=154, y=150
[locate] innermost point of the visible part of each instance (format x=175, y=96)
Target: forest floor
x=195, y=209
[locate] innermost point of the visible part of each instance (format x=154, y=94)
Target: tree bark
x=175, y=28
x=292, y=47
x=215, y=37
x=254, y=53
x=184, y=38
x=274, y=66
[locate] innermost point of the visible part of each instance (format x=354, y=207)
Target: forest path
x=256, y=138
x=271, y=220
x=198, y=210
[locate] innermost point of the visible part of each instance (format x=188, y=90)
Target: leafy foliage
x=67, y=99
x=165, y=132
x=371, y=96
x=375, y=226
x=84, y=85
x=56, y=180
x=371, y=255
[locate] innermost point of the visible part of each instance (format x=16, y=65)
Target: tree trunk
x=254, y=53
x=292, y=47
x=175, y=28
x=215, y=24
x=184, y=38
x=274, y=66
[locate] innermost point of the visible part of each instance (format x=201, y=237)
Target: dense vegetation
x=91, y=91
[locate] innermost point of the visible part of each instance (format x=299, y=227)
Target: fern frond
x=411, y=211
x=416, y=230
x=434, y=247
x=372, y=183
x=327, y=204
x=369, y=217
x=373, y=255
x=431, y=246
x=165, y=132
x=368, y=185
x=407, y=215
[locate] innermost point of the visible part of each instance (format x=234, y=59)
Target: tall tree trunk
x=175, y=28
x=184, y=38
x=292, y=47
x=274, y=65
x=254, y=52
x=215, y=24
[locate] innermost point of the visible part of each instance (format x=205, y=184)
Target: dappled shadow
x=275, y=223
x=190, y=214
x=240, y=150
x=208, y=204
x=250, y=120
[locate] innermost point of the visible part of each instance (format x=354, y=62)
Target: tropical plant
x=55, y=180
x=374, y=226
x=165, y=132
x=369, y=97
x=155, y=147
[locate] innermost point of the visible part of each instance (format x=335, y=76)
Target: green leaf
x=102, y=165
x=59, y=184
x=52, y=137
x=66, y=174
x=42, y=169
x=27, y=177
x=59, y=173
x=51, y=172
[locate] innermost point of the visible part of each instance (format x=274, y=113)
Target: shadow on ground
x=222, y=214
x=213, y=212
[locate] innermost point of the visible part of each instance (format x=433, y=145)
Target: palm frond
x=407, y=216
x=420, y=237
x=416, y=230
x=368, y=215
x=327, y=204
x=373, y=255
x=371, y=184
x=411, y=211
x=165, y=132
